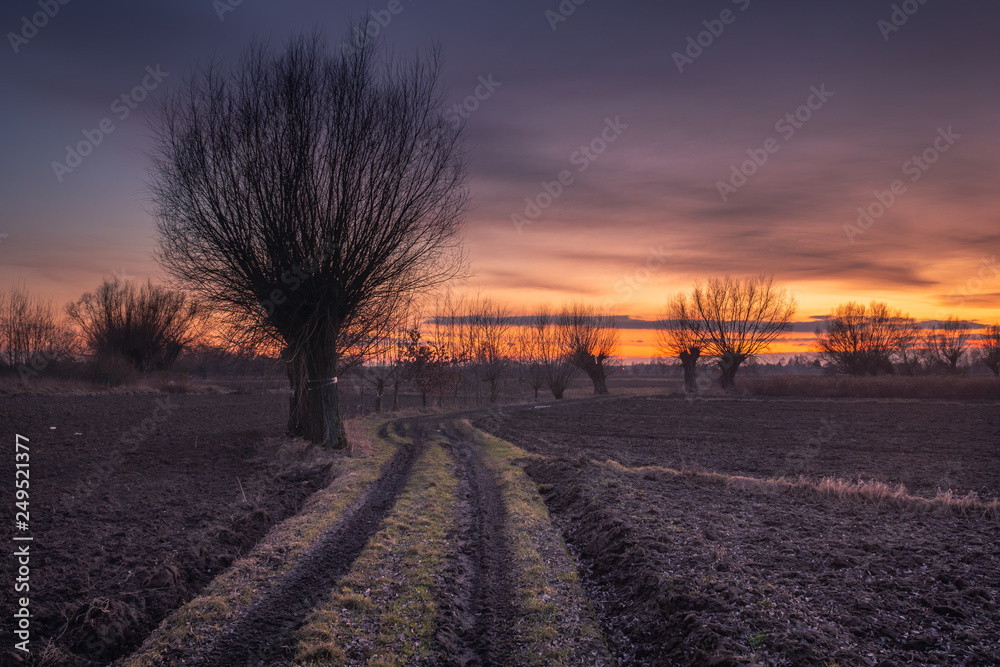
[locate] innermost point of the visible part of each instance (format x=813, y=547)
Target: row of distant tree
x=478, y=346
x=142, y=326
x=734, y=320
x=875, y=339
x=308, y=197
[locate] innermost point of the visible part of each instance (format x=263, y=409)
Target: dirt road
x=330, y=605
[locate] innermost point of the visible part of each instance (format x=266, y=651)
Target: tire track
x=477, y=616
x=264, y=632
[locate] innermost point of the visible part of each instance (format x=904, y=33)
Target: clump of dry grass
x=873, y=492
x=13, y=385
x=884, y=386
x=876, y=493
x=360, y=438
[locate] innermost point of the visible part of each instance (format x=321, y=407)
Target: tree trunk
x=689, y=360
x=297, y=380
x=597, y=375
x=600, y=381
x=395, y=396
x=730, y=363
x=323, y=424
x=379, y=390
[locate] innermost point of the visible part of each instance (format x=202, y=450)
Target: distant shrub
x=111, y=370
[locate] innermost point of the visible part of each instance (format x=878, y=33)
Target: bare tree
x=147, y=325
x=386, y=359
x=490, y=344
x=31, y=333
x=988, y=352
x=948, y=343
x=866, y=340
x=426, y=364
x=452, y=333
x=590, y=340
x=551, y=338
x=740, y=317
x=529, y=345
x=302, y=192
x=680, y=333
x=909, y=347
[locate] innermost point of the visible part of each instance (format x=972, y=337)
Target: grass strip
x=194, y=624
x=871, y=492
x=383, y=612
x=558, y=625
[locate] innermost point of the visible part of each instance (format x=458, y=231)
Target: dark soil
x=923, y=444
x=686, y=572
x=264, y=632
x=476, y=616
x=135, y=505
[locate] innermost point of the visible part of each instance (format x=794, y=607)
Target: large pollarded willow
x=740, y=317
x=304, y=194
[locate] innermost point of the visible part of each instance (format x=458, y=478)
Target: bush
x=111, y=370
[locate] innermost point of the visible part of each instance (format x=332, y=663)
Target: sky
x=620, y=151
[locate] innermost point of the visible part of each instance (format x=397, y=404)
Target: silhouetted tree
x=528, y=348
x=989, y=349
x=947, y=343
x=489, y=326
x=590, y=340
x=426, y=364
x=31, y=333
x=147, y=325
x=865, y=340
x=740, y=317
x=302, y=193
x=386, y=362
x=550, y=336
x=680, y=333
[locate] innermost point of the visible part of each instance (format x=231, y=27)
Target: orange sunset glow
x=605, y=167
